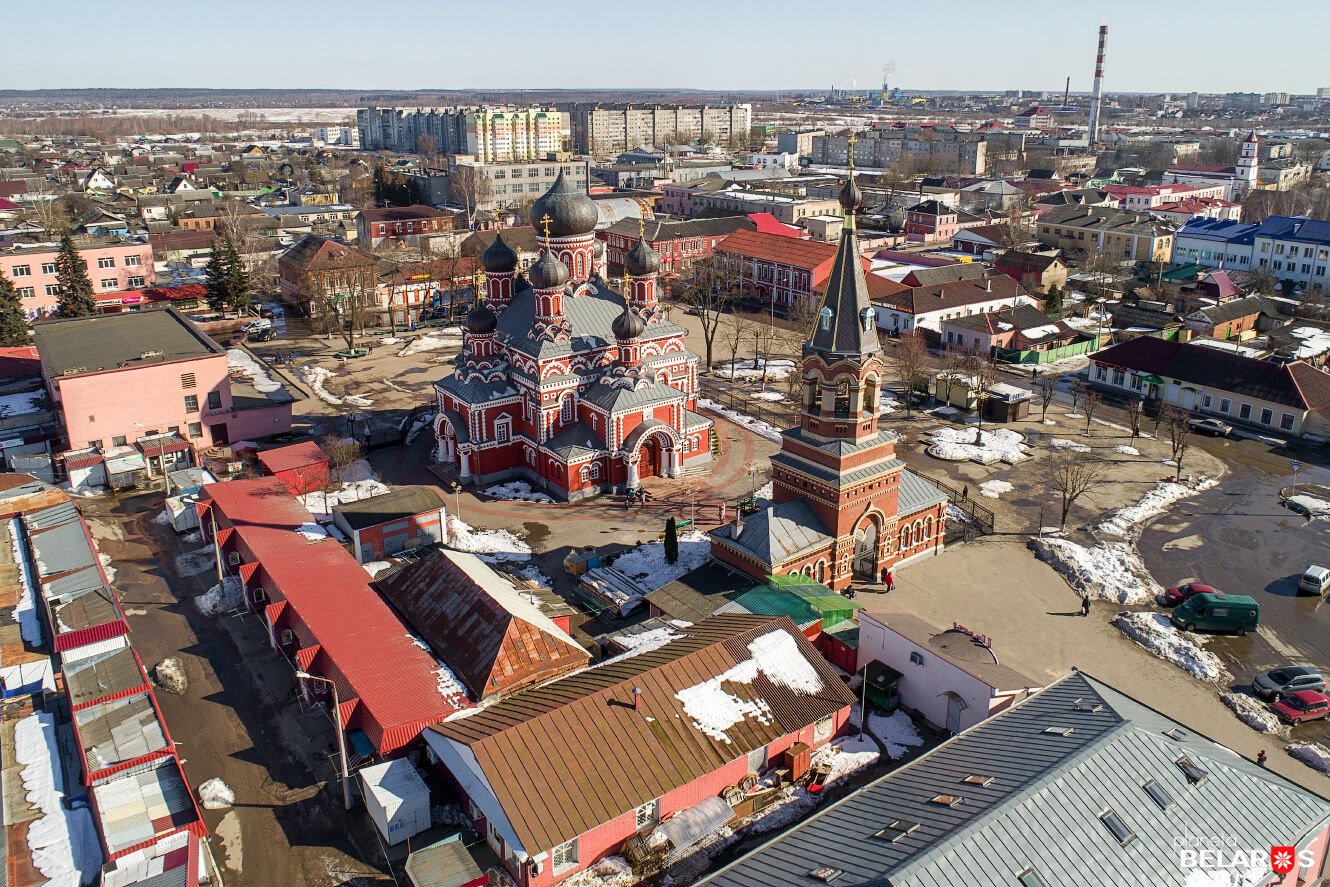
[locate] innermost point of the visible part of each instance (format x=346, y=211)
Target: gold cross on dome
x=854, y=139
x=641, y=228
x=624, y=283
x=480, y=279
x=545, y=221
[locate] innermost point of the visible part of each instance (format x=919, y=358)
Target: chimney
x=1097, y=96
x=637, y=698
x=988, y=284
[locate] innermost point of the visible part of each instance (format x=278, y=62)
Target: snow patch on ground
x=769, y=396
x=757, y=426
x=1110, y=571
x=1315, y=509
x=766, y=491
x=1126, y=450
x=1313, y=754
x=1253, y=713
x=316, y=377
x=195, y=563
x=239, y=361
x=226, y=597
x=612, y=871
x=63, y=843
x=1155, y=633
x=1061, y=443
x=216, y=794
x=897, y=731
x=752, y=370
x=518, y=490
x=358, y=482
x=994, y=489
x=431, y=342
x=492, y=545
x=994, y=445
x=1154, y=503
x=646, y=564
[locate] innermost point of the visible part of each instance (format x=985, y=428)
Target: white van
x=1315, y=580
x=259, y=323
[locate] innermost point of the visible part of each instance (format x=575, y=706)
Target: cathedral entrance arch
x=654, y=450
x=866, y=545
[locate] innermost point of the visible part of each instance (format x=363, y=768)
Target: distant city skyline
x=779, y=45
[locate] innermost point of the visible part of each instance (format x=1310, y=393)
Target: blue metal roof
x=1222, y=231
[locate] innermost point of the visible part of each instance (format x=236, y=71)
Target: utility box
x=397, y=798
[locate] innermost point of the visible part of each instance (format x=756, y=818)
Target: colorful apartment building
x=113, y=267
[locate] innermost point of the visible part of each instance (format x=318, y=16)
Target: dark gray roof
x=576, y=440
x=775, y=533
x=120, y=730
x=1042, y=807
x=102, y=675
x=387, y=507
x=945, y=274
x=476, y=392
x=672, y=229
x=698, y=593
x=590, y=316
x=611, y=398
x=840, y=329
x=1243, y=307
x=839, y=479
x=839, y=446
x=916, y=494
x=108, y=341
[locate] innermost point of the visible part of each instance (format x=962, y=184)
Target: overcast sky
x=1154, y=45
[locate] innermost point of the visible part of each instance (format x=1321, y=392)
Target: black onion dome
x=548, y=273
x=572, y=212
x=481, y=319
x=641, y=260
x=628, y=325
x=499, y=257
x=850, y=195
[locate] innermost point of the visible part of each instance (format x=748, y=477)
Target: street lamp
x=457, y=500
x=341, y=735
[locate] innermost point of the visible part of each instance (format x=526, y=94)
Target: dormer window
x=867, y=318
x=824, y=318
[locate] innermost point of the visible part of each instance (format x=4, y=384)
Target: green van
x=1235, y=613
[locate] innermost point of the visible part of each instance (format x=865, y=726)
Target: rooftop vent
x=149, y=355
x=896, y=830
x=1080, y=705
x=978, y=779
x=946, y=800
x=826, y=874
x=1059, y=731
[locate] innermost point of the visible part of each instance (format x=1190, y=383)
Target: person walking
x=889, y=577
x=1085, y=605
x=1260, y=758
x=965, y=492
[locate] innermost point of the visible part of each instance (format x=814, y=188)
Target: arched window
x=870, y=397
x=567, y=409
x=821, y=571
x=586, y=474
x=928, y=528
x=595, y=471
x=843, y=397
x=580, y=266
x=811, y=400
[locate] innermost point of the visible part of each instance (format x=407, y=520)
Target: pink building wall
x=137, y=401
x=117, y=278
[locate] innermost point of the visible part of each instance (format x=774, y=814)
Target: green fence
x=1012, y=355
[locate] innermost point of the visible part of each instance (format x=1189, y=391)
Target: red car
x=1304, y=705
x=1179, y=593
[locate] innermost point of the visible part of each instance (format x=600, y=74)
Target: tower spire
x=846, y=324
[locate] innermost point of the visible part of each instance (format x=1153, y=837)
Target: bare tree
x=470, y=188
x=1072, y=475
x=735, y=333
x=1047, y=387
x=983, y=373
x=1178, y=425
x=1089, y=403
x=954, y=366
x=1133, y=409
x=1077, y=390
x=710, y=291
x=908, y=360
x=342, y=300
x=341, y=452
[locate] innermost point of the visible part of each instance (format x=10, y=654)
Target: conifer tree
x=13, y=324
x=216, y=281
x=75, y=298
x=671, y=541
x=238, y=289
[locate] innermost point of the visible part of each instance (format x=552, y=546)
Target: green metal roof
x=1184, y=272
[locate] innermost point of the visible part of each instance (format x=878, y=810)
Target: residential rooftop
x=78, y=345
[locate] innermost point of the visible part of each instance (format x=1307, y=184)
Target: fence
x=1012, y=355
x=979, y=518
x=738, y=395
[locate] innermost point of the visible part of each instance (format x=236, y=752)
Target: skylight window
x=1195, y=775
x=896, y=830
x=1158, y=794
x=1059, y=731
x=1119, y=828
x=1176, y=734
x=946, y=800
x=978, y=779
x=826, y=874
x=1031, y=878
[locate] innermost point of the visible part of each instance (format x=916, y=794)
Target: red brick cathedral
x=844, y=506
x=564, y=382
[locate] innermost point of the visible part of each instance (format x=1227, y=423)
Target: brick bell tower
x=838, y=459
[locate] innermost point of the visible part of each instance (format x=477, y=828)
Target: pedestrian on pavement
x=889, y=577
x=1085, y=605
x=1260, y=758
x=965, y=492
x=1034, y=373
x=722, y=512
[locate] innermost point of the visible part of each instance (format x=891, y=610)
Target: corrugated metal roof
x=103, y=675
x=363, y=645
x=297, y=455
x=94, y=607
x=775, y=533
x=916, y=494
x=1043, y=805
x=58, y=539
x=387, y=507
x=698, y=593
x=119, y=731
x=545, y=751
x=445, y=864
x=144, y=803
x=493, y=638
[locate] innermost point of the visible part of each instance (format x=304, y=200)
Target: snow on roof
x=63, y=844
x=1037, y=332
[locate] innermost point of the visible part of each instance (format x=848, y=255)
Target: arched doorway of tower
x=866, y=544
x=648, y=458
x=653, y=451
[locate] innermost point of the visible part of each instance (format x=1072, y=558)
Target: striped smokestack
x=1097, y=97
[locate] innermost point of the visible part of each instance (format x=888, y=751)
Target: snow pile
x=1061, y=443
x=431, y=342
x=1252, y=713
x=374, y=568
x=769, y=396
x=163, y=517
x=757, y=426
x=1313, y=754
x=1154, y=503
x=21, y=404
x=518, y=490
x=993, y=489
x=612, y=871
x=170, y=675
x=713, y=710
x=25, y=611
x=358, y=483
x=216, y=795
x=239, y=361
x=312, y=532
x=753, y=370
x=646, y=564
x=1311, y=506
x=492, y=545
x=994, y=445
x=1110, y=571
x=956, y=515
x=897, y=732
x=108, y=569
x=226, y=597
x=317, y=377
x=63, y=843
x=766, y=491
x=422, y=422
x=1155, y=633
x=888, y=403
x=1126, y=450
x=195, y=563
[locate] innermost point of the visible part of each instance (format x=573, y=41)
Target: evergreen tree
x=238, y=290
x=75, y=299
x=13, y=324
x=1053, y=301
x=671, y=542
x=216, y=280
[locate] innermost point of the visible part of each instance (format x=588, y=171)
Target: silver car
x=1286, y=680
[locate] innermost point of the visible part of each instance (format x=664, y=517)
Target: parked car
x=254, y=326
x=1179, y=593
x=1304, y=705
x=237, y=338
x=264, y=335
x=1211, y=426
x=1289, y=679
x=1232, y=613
x=1314, y=580
x=272, y=310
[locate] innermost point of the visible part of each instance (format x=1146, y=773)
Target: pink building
x=931, y=220
x=1147, y=197
x=119, y=378
x=113, y=267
